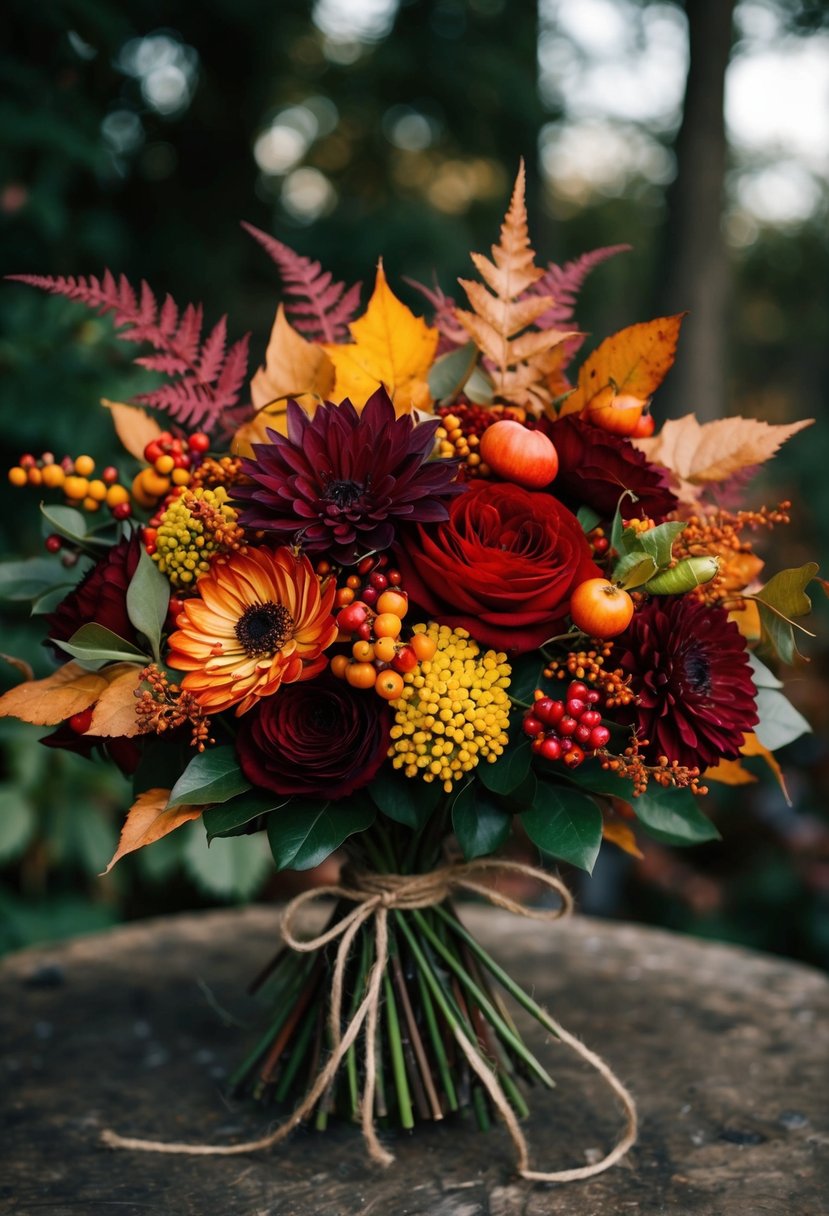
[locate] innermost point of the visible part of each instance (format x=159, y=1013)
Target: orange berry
x=389, y=685
x=90, y=504
x=353, y=582
x=154, y=485
x=343, y=597
x=180, y=477
x=423, y=646
x=34, y=476
x=339, y=663
x=117, y=494
x=393, y=601
x=360, y=675
x=97, y=490
x=53, y=476
x=139, y=493
x=75, y=487
x=385, y=649
x=363, y=651
x=164, y=465
x=84, y=465
x=387, y=625
x=17, y=476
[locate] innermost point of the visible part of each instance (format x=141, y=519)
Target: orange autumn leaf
x=392, y=348
x=629, y=365
x=622, y=835
x=19, y=665
x=114, y=715
x=747, y=620
x=730, y=772
x=48, y=702
x=148, y=820
x=133, y=426
x=698, y=453
x=753, y=747
x=522, y=360
x=294, y=367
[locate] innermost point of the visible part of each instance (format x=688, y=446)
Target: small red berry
x=81, y=722
x=53, y=543
x=27, y=461
x=599, y=736
x=601, y=544
x=350, y=618
x=152, y=451
x=552, y=711
x=370, y=596
x=109, y=475
x=198, y=442
x=181, y=460
x=365, y=566
x=567, y=745
x=593, y=697
x=395, y=578
x=379, y=581
x=364, y=631
x=383, y=561
x=577, y=691
x=591, y=718
x=551, y=748
x=567, y=725
x=123, y=510
x=576, y=707
x=405, y=660
x=532, y=726
x=582, y=734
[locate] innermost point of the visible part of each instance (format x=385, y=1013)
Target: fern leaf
x=565, y=282
x=504, y=321
x=444, y=316
x=204, y=380
x=317, y=305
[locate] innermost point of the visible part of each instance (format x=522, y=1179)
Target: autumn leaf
x=20, y=665
x=698, y=453
x=148, y=820
x=294, y=367
x=133, y=426
x=392, y=348
x=48, y=702
x=520, y=358
x=753, y=747
x=733, y=772
x=622, y=835
x=114, y=715
x=628, y=367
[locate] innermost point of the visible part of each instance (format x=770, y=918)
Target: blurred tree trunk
x=696, y=270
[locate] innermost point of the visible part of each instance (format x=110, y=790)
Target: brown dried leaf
x=698, y=453
x=293, y=367
x=133, y=426
x=20, y=665
x=148, y=820
x=48, y=702
x=114, y=715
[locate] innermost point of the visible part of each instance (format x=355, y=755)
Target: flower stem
x=404, y=1101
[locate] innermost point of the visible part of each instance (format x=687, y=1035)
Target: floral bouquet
x=426, y=589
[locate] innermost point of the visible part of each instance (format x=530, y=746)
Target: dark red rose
x=689, y=668
x=595, y=467
x=315, y=737
x=100, y=596
x=502, y=566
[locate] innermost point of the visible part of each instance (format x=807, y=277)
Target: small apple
x=517, y=454
x=618, y=413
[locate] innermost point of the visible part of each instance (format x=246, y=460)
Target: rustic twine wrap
x=374, y=896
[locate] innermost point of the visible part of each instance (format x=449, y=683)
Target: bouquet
x=428, y=588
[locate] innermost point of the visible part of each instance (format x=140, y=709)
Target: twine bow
x=374, y=896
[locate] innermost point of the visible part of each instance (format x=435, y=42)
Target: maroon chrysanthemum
x=595, y=467
x=690, y=671
x=100, y=597
x=341, y=482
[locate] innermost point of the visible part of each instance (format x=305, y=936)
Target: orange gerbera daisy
x=260, y=619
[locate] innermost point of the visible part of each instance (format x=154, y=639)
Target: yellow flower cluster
x=194, y=528
x=454, y=711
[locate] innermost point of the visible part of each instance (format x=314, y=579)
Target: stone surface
x=725, y=1050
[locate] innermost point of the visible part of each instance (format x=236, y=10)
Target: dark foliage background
x=136, y=135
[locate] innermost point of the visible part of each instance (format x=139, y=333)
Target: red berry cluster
x=566, y=730
x=373, y=577
x=181, y=451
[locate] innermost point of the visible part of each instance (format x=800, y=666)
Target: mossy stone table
x=726, y=1051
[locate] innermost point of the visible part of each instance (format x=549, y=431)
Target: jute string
x=374, y=896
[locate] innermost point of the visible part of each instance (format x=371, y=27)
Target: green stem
x=437, y=1043
x=301, y=1042
x=351, y=1054
x=398, y=1064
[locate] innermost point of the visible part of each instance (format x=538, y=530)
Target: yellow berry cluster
x=75, y=478
x=187, y=537
x=454, y=710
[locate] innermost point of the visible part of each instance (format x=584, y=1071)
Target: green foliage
x=673, y=816
x=780, y=603
x=147, y=598
x=304, y=832
x=479, y=821
x=565, y=823
x=232, y=817
x=211, y=776
x=93, y=646
x=403, y=800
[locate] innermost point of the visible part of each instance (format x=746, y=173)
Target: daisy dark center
x=264, y=628
x=698, y=670
x=343, y=493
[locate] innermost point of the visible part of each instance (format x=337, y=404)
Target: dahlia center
x=343, y=493
x=264, y=628
x=698, y=670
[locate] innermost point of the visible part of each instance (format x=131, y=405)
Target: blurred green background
x=136, y=135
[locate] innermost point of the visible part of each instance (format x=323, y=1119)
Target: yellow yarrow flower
x=194, y=528
x=454, y=711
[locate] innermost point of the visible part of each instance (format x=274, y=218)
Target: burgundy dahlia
x=100, y=597
x=690, y=670
x=341, y=482
x=315, y=738
x=595, y=467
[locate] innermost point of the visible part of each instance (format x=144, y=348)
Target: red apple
x=525, y=457
x=618, y=413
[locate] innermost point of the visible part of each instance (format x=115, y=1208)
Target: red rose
x=314, y=738
x=502, y=566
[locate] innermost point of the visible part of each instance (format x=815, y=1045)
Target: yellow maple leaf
x=294, y=367
x=627, y=367
x=50, y=701
x=114, y=715
x=698, y=453
x=392, y=348
x=148, y=820
x=133, y=426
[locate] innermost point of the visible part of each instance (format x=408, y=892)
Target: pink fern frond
x=317, y=304
x=233, y=374
x=213, y=352
x=565, y=282
x=444, y=318
x=168, y=365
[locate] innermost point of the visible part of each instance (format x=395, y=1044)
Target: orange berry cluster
x=75, y=478
x=379, y=658
x=165, y=706
x=589, y=665
x=720, y=533
x=170, y=462
x=667, y=773
x=460, y=433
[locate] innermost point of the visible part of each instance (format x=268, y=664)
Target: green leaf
x=17, y=822
x=591, y=777
x=72, y=525
x=780, y=723
x=634, y=569
x=406, y=800
x=211, y=776
x=480, y=824
x=762, y=676
x=235, y=870
x=450, y=372
x=673, y=816
x=33, y=577
x=658, y=541
x=780, y=603
x=478, y=387
x=622, y=538
x=49, y=601
x=509, y=770
x=93, y=646
x=229, y=817
x=565, y=823
x=525, y=676
x=305, y=832
x=588, y=518
x=147, y=598
x=523, y=796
